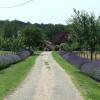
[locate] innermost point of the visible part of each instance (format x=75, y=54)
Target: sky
x=46, y=11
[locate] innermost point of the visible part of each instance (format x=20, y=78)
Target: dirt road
x=46, y=81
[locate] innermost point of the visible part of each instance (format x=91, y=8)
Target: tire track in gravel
x=45, y=85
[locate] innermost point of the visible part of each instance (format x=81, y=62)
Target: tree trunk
x=87, y=54
x=84, y=53
x=98, y=55
x=92, y=55
x=95, y=55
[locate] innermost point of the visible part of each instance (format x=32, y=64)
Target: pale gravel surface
x=46, y=81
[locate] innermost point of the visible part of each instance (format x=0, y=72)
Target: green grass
x=11, y=77
x=89, y=88
x=46, y=63
x=5, y=52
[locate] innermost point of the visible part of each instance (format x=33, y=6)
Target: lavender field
x=8, y=58
x=91, y=68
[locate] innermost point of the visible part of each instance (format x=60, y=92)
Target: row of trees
x=84, y=32
x=15, y=35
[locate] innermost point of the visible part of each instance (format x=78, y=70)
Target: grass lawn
x=89, y=88
x=5, y=52
x=11, y=77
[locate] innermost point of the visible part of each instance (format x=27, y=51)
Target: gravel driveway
x=46, y=81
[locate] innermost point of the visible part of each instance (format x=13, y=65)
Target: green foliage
x=33, y=37
x=86, y=31
x=59, y=28
x=15, y=35
x=48, y=30
x=57, y=47
x=10, y=29
x=63, y=46
x=5, y=52
x=12, y=43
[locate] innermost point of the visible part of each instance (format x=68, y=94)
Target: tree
x=87, y=28
x=10, y=29
x=33, y=37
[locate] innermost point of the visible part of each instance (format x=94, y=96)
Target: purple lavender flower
x=13, y=58
x=24, y=54
x=75, y=60
x=92, y=69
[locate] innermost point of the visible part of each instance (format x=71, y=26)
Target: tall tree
x=10, y=29
x=87, y=28
x=33, y=37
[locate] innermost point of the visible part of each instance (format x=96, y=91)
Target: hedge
x=91, y=68
x=9, y=59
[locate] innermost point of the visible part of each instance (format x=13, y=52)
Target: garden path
x=46, y=81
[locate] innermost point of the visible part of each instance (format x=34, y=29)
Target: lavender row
x=13, y=58
x=91, y=68
x=74, y=59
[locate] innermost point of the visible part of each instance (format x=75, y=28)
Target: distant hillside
x=54, y=33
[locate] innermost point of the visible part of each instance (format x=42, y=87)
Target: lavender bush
x=92, y=69
x=75, y=60
x=5, y=61
x=61, y=52
x=24, y=54
x=86, y=66
x=13, y=58
x=2, y=63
